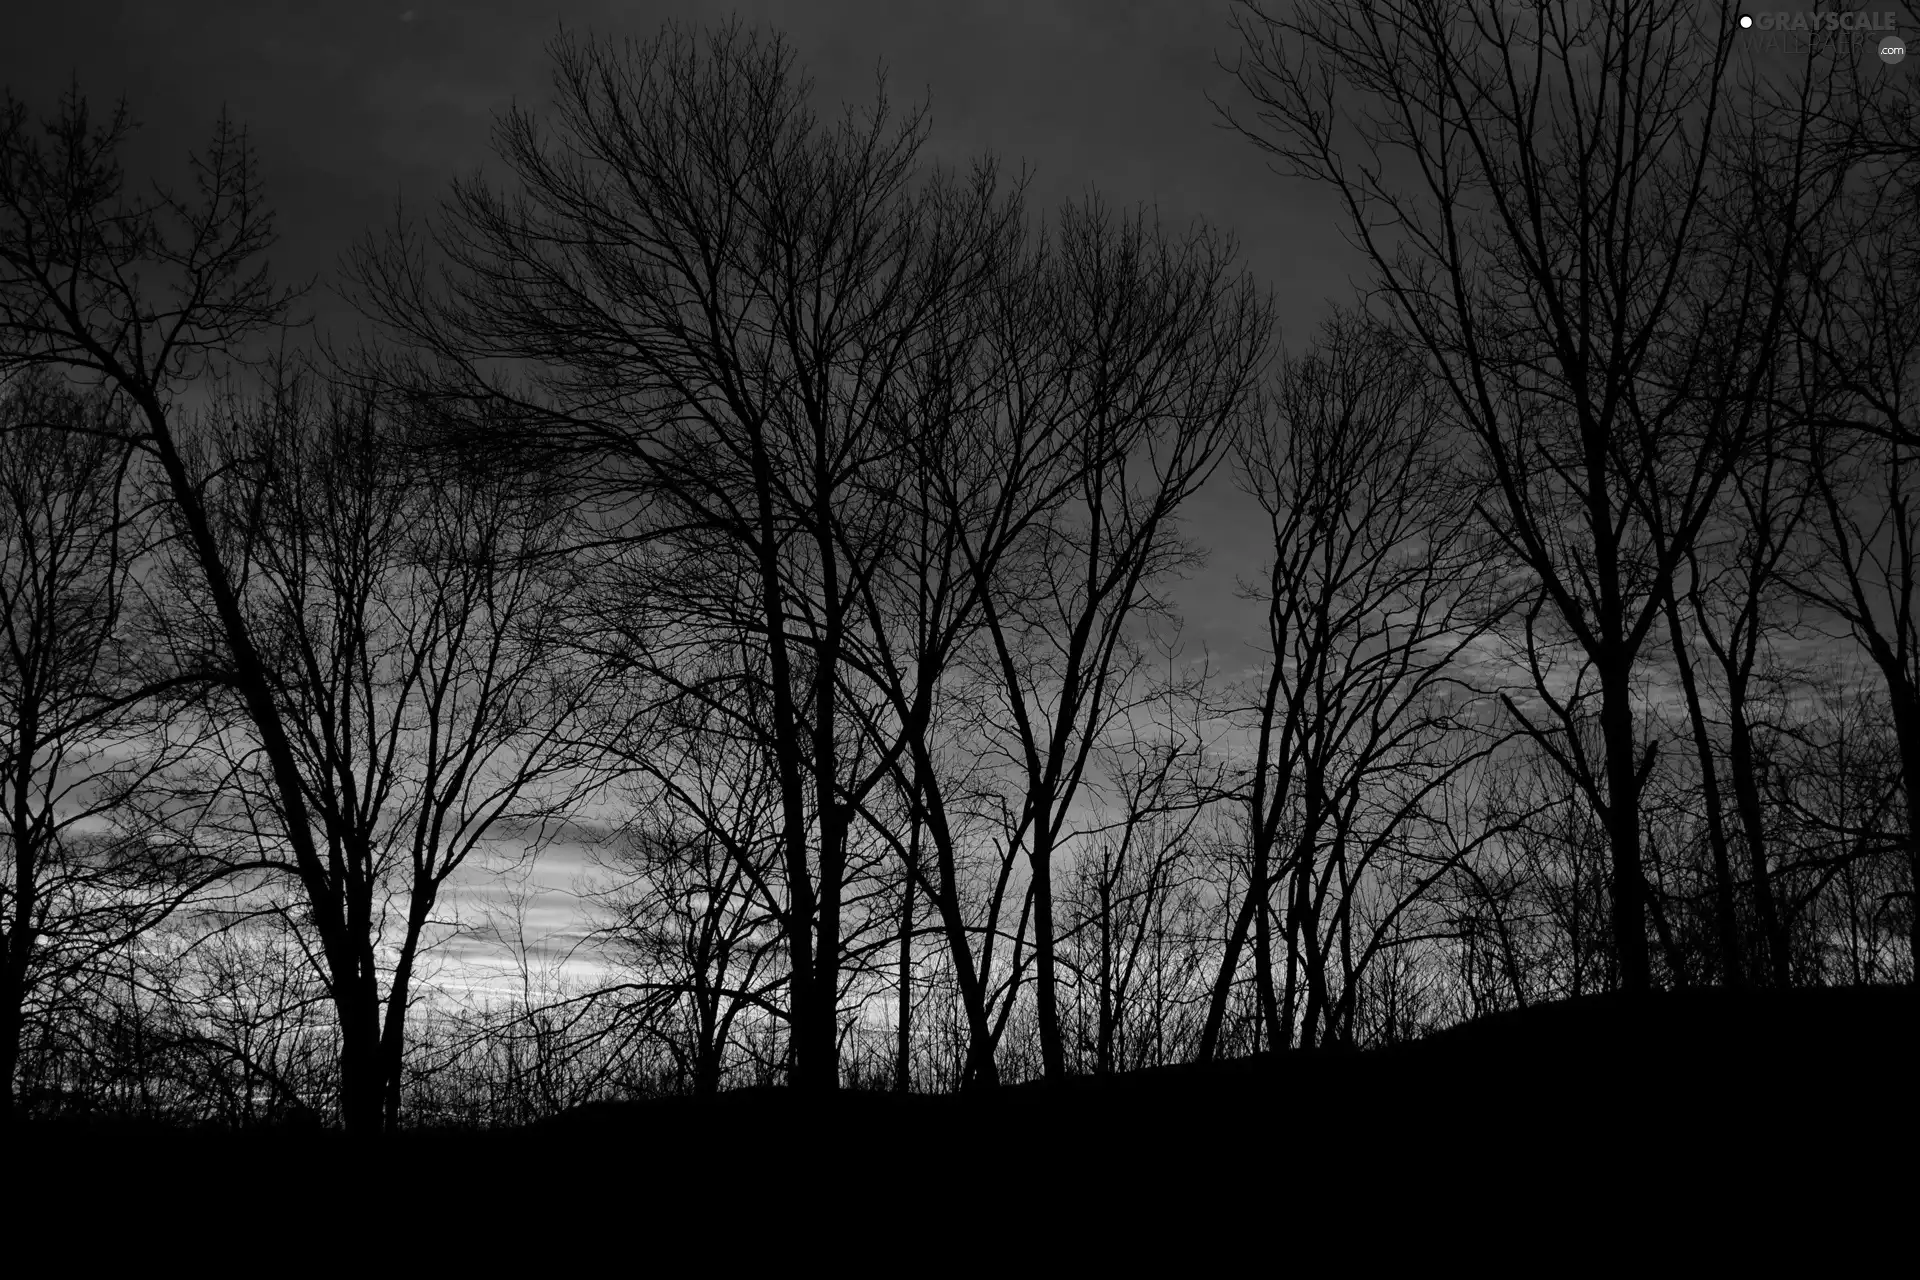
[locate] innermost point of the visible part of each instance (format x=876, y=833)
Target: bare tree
x=1024, y=439
x=1526, y=917
x=695, y=892
x=417, y=650
x=1533, y=186
x=1133, y=895
x=1852, y=390
x=1869, y=520
x=715, y=296
x=1362, y=719
x=1794, y=148
x=241, y=1003
x=1836, y=796
x=1166, y=344
x=78, y=728
x=1738, y=589
x=992, y=453
x=149, y=293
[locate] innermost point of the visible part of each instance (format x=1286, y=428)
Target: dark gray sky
x=355, y=105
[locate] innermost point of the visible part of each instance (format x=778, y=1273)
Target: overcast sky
x=354, y=106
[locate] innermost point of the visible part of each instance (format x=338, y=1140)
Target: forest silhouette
x=792, y=527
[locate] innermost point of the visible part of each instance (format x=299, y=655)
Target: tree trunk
x=796, y=922
x=903, y=1051
x=1315, y=958
x=1907, y=726
x=1103, y=1059
x=1304, y=926
x=1623, y=830
x=360, y=1025
x=822, y=1027
x=1746, y=794
x=1283, y=1035
x=1263, y=992
x=821, y=1063
x=1733, y=966
x=980, y=1070
x=1230, y=962
x=362, y=1084
x=712, y=1035
x=1053, y=1057
x=393, y=1039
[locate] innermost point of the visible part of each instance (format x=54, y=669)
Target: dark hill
x=1805, y=1052
x=1710, y=1097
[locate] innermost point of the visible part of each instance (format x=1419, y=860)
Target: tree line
x=795, y=526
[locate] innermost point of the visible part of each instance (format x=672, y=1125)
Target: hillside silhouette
x=1807, y=1068
x=1728, y=1095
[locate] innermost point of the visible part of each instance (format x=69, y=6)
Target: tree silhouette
x=1546, y=195
x=81, y=716
x=413, y=636
x=1362, y=720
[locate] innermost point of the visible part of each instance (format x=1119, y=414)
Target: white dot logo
x=1892, y=49
x=1745, y=21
